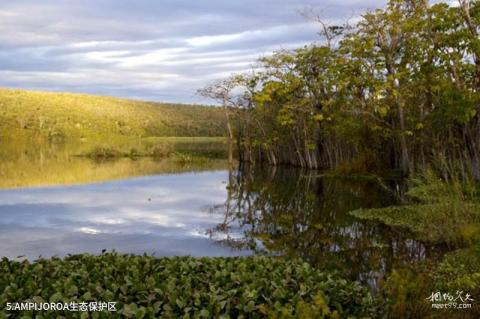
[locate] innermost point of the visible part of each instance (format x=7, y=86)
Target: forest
x=398, y=91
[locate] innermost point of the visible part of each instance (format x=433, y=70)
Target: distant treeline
x=399, y=90
x=64, y=116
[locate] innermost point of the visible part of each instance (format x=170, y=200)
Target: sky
x=157, y=50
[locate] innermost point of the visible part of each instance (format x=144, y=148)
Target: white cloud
x=148, y=49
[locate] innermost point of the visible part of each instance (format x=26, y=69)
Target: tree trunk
x=230, y=136
x=405, y=156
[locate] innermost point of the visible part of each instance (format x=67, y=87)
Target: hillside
x=65, y=116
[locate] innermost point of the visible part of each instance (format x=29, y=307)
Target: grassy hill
x=66, y=116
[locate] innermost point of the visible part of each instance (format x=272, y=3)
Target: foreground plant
x=149, y=287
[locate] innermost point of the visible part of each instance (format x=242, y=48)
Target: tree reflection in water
x=299, y=213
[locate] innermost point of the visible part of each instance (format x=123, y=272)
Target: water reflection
x=297, y=213
x=166, y=214
x=199, y=209
x=112, y=207
x=42, y=164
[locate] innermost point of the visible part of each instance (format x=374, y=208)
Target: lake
x=53, y=203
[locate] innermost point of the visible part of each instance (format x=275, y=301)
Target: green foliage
x=445, y=211
x=184, y=151
x=61, y=116
x=452, y=223
x=448, y=212
x=401, y=87
x=149, y=287
x=459, y=270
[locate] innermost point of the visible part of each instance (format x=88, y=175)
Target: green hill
x=66, y=116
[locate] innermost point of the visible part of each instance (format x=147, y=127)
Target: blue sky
x=155, y=50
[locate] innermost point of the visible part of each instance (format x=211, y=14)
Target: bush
x=459, y=270
x=149, y=287
x=429, y=187
x=404, y=292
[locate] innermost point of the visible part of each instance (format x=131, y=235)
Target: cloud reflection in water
x=165, y=214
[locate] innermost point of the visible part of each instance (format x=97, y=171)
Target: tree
x=222, y=91
x=398, y=91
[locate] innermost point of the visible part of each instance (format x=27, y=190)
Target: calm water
x=166, y=214
x=54, y=204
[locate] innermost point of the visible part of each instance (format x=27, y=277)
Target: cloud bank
x=145, y=49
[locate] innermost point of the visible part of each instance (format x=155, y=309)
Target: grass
x=452, y=223
x=184, y=287
x=61, y=116
x=440, y=211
